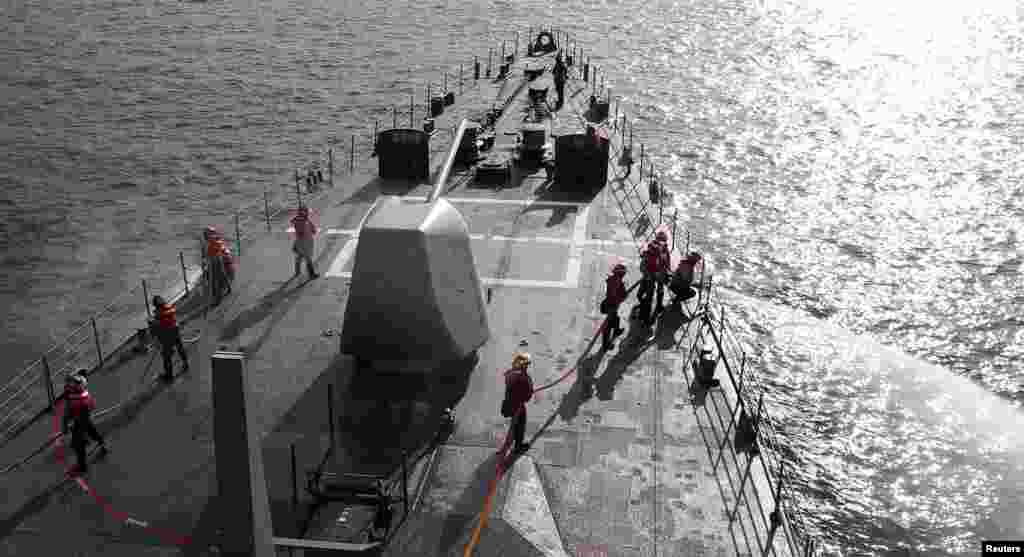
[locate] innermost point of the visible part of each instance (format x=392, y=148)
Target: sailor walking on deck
x=78, y=408
x=518, y=391
x=559, y=72
x=615, y=294
x=305, y=242
x=165, y=328
x=217, y=263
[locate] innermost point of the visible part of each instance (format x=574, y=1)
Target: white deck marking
x=579, y=237
x=572, y=273
x=342, y=258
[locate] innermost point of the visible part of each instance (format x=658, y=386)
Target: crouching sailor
x=78, y=410
x=682, y=278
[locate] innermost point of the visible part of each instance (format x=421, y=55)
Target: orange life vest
x=216, y=247
x=165, y=316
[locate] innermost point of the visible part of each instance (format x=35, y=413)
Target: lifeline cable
x=121, y=516
x=502, y=451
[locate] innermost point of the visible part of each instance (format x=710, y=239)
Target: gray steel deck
x=623, y=470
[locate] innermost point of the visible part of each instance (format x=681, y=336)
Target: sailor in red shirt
x=656, y=262
x=518, y=391
x=615, y=294
x=78, y=408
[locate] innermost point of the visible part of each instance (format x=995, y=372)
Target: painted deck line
x=579, y=236
x=344, y=254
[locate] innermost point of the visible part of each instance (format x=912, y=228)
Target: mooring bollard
x=48, y=385
x=266, y=208
x=96, y=337
x=184, y=272
x=145, y=299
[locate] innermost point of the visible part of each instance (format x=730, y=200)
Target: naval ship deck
x=622, y=470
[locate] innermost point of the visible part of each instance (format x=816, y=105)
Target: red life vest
x=165, y=316
x=304, y=227
x=615, y=291
x=216, y=247
x=520, y=387
x=79, y=402
x=656, y=257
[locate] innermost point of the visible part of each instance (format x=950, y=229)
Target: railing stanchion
x=405, y=481
x=266, y=205
x=295, y=482
x=352, y=156
x=238, y=236
x=96, y=337
x=48, y=385
x=184, y=272
x=145, y=299
x=330, y=412
x=330, y=164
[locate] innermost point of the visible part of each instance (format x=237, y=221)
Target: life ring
x=544, y=43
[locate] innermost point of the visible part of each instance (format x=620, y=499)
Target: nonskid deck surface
x=588, y=484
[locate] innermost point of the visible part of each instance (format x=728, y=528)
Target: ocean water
x=854, y=169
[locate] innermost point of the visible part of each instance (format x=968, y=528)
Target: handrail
x=793, y=529
x=26, y=392
x=442, y=178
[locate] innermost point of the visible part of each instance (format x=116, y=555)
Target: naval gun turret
x=415, y=301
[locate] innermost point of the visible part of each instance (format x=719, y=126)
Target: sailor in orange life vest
x=518, y=391
x=165, y=329
x=656, y=262
x=221, y=266
x=304, y=246
x=78, y=418
x=615, y=294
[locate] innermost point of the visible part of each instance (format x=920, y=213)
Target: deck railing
x=767, y=516
x=33, y=390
